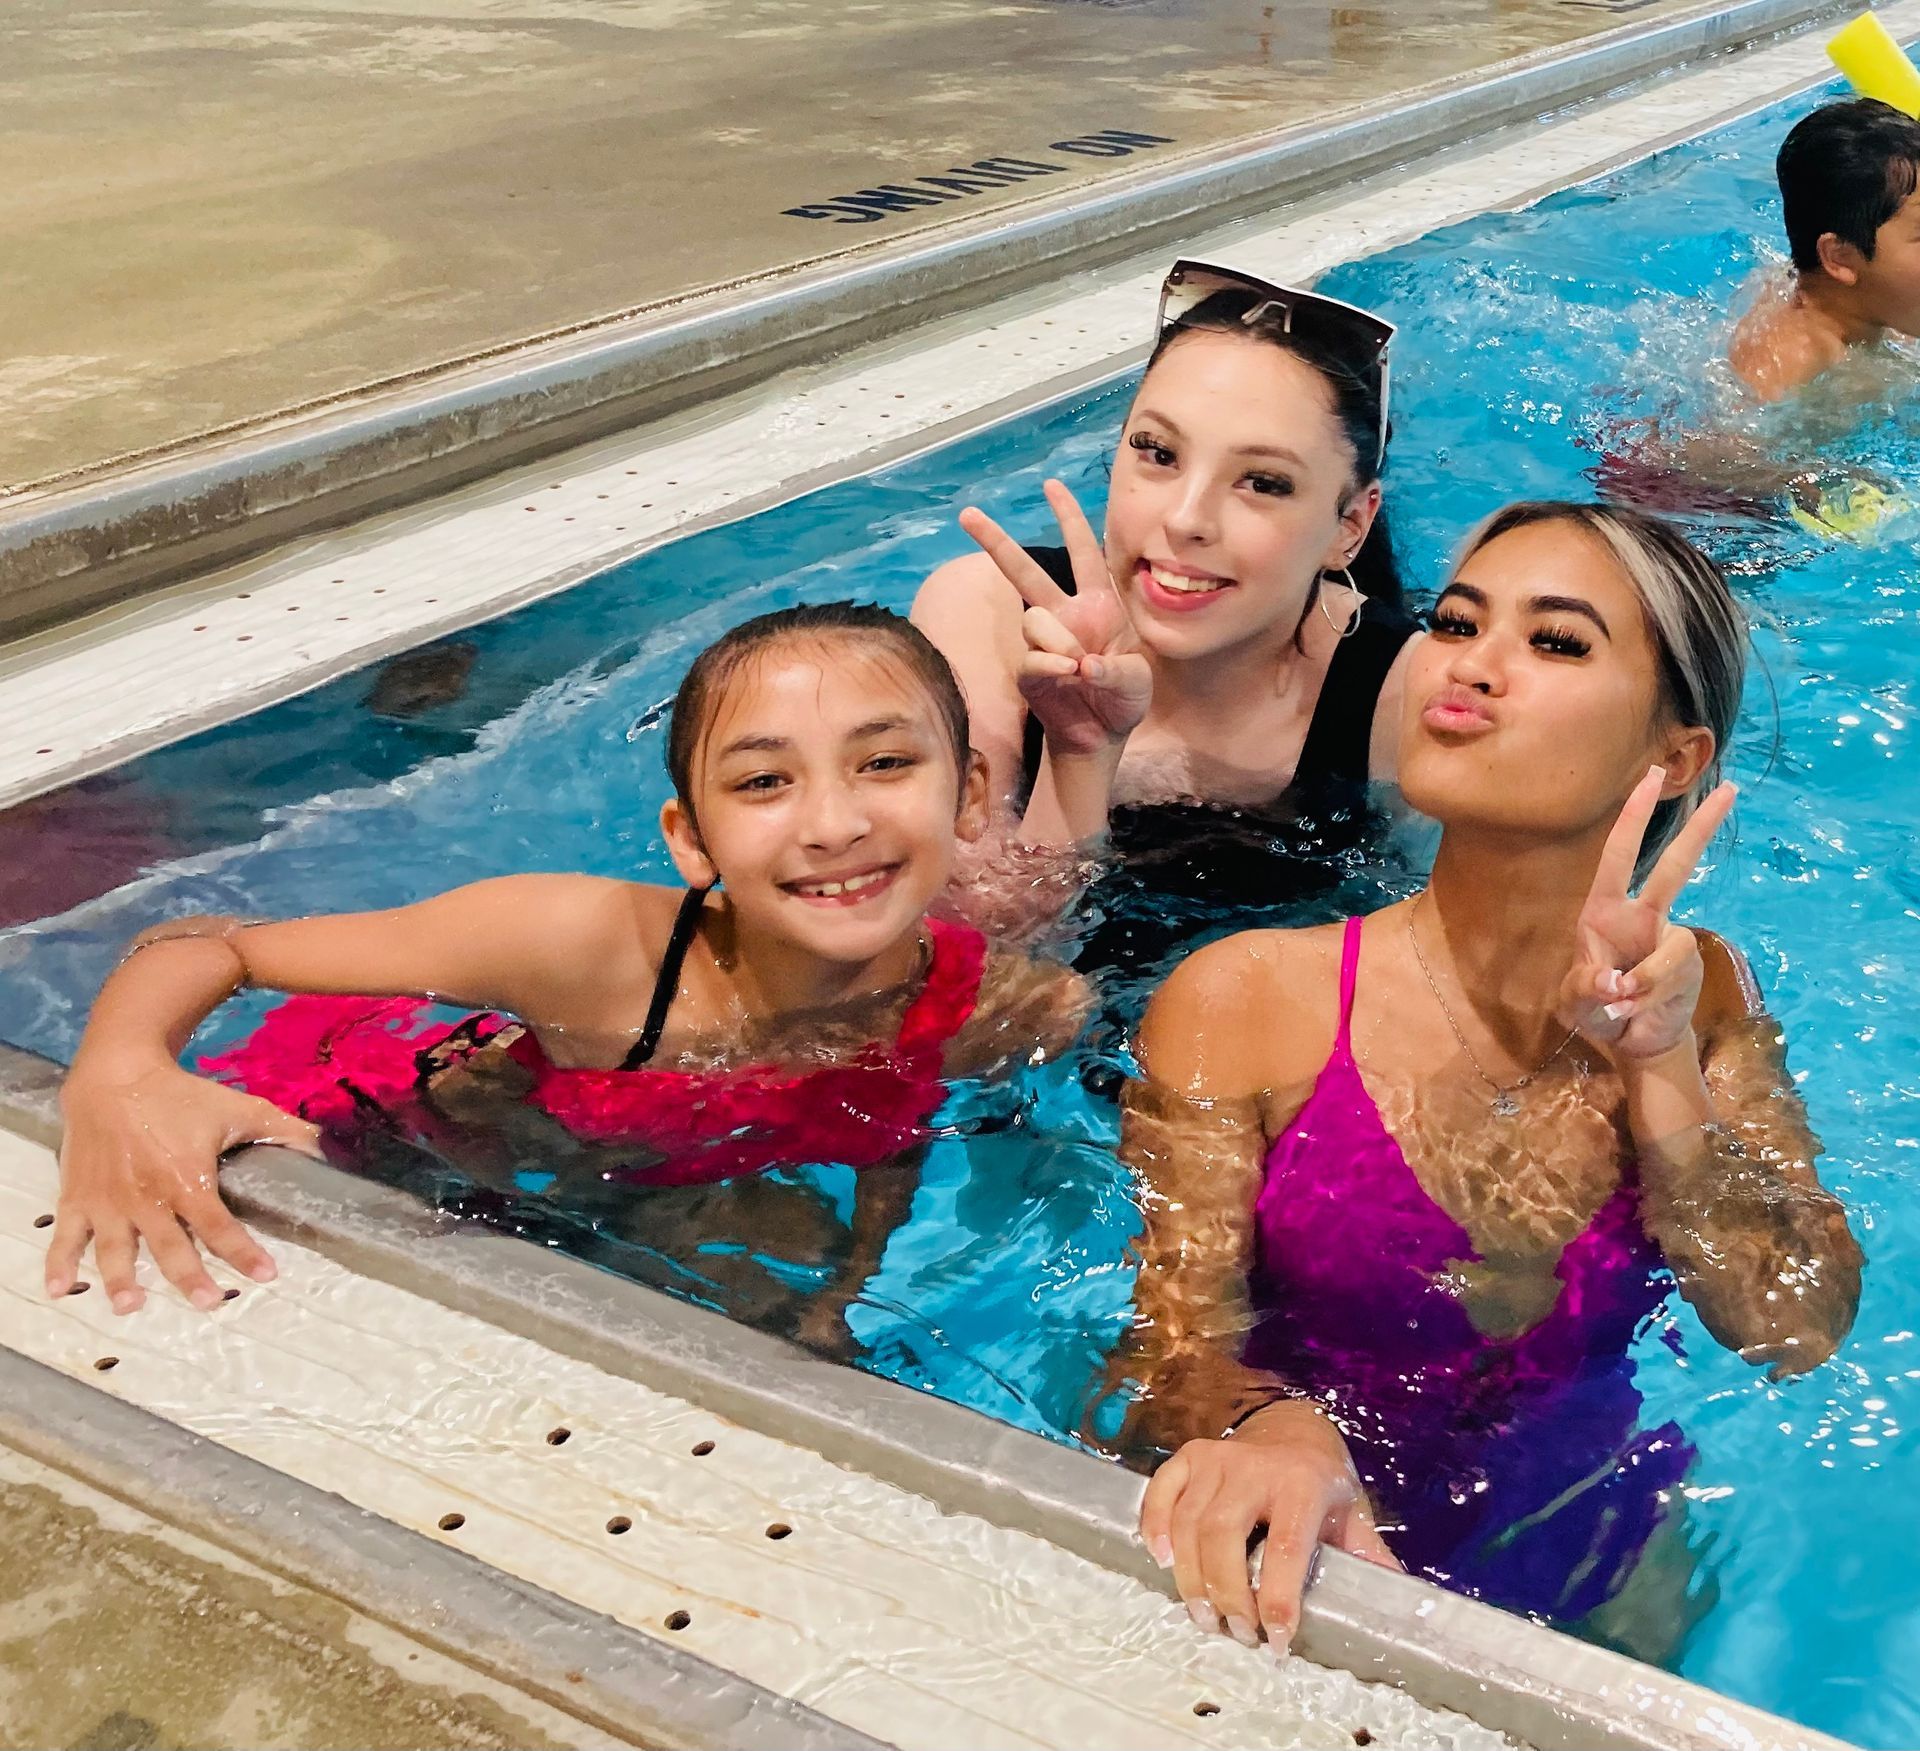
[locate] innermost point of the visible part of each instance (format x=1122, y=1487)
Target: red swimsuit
x=335, y=1060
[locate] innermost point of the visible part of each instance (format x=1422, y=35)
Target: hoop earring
x=1360, y=603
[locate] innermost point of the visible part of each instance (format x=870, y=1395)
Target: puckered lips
x=1457, y=711
x=842, y=888
x=1178, y=589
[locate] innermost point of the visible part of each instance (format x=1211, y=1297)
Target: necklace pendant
x=1504, y=1105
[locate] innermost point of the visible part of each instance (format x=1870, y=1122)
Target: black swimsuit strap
x=666, y=984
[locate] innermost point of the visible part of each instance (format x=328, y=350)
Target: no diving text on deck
x=867, y=205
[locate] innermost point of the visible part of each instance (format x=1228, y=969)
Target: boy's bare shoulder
x=1778, y=348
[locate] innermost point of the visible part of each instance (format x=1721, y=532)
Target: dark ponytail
x=1356, y=405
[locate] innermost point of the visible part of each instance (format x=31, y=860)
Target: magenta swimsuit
x=1515, y=1466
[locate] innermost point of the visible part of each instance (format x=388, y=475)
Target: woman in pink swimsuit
x=1415, y=1180
x=795, y=1004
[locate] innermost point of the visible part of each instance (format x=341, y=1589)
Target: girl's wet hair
x=1356, y=405
x=1698, y=627
x=880, y=630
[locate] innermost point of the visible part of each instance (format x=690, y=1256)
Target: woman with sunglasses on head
x=1238, y=640
x=1414, y=1183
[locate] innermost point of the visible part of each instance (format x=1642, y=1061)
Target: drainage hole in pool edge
x=1206, y=1708
x=678, y=1619
x=43, y=1221
x=452, y=1522
x=1361, y=1736
x=106, y=1363
x=701, y=1449
x=619, y=1524
x=779, y=1529
x=558, y=1437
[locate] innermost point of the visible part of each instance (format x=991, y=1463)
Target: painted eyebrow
x=1277, y=452
x=1537, y=605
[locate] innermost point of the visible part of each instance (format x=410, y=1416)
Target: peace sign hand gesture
x=1636, y=974
x=1083, y=675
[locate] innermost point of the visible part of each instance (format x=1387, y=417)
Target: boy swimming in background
x=1848, y=175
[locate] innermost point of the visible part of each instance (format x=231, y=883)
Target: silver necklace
x=1504, y=1104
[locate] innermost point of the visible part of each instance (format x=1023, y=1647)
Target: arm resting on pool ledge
x=1250, y=1456
x=139, y=1161
x=1728, y=1191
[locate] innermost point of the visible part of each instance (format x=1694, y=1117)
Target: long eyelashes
x=1562, y=641
x=1266, y=485
x=1559, y=641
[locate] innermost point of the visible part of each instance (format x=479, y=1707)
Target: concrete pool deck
x=227, y=209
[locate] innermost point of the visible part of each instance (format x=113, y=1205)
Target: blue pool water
x=1527, y=340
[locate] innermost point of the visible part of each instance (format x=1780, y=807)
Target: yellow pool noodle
x=1876, y=65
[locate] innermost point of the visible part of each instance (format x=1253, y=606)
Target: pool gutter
x=83, y=542
x=579, y=1661
x=1539, y=1687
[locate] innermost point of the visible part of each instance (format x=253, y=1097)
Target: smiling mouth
x=844, y=890
x=1182, y=584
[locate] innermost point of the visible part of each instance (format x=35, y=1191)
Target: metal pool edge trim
x=65, y=551
x=1537, y=1685
x=578, y=1661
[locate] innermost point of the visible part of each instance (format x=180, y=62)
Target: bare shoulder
x=1729, y=993
x=593, y=929
x=1027, y=1008
x=1247, y=1014
x=1775, y=350
x=962, y=590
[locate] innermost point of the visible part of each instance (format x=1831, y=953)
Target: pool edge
x=1537, y=1685
x=103, y=540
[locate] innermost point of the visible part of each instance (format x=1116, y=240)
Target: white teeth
x=1182, y=585
x=852, y=885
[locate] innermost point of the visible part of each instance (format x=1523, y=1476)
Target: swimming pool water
x=1528, y=341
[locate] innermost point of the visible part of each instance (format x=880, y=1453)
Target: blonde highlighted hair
x=1698, y=628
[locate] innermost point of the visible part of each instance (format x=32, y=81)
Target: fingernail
x=264, y=1272
x=1280, y=1645
x=126, y=1300
x=1161, y=1550
x=1610, y=981
x=206, y=1298
x=58, y=1286
x=1242, y=1632
x=1617, y=1011
x=1203, y=1615
x=1096, y=670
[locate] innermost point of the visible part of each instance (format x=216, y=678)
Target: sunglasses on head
x=1353, y=338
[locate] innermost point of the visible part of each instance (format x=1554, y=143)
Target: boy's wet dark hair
x=1356, y=405
x=1847, y=168
x=861, y=623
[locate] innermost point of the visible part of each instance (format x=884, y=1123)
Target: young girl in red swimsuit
x=796, y=1003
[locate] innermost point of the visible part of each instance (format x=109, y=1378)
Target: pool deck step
x=119, y=680
x=862, y=1602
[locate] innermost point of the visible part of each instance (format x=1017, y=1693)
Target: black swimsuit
x=1179, y=867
